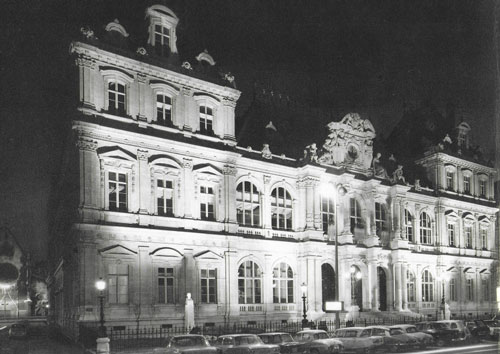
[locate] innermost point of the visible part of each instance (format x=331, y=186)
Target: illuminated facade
x=166, y=203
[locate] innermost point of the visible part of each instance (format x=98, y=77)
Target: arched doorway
x=382, y=289
x=356, y=287
x=327, y=282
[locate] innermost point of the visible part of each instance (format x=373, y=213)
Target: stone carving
x=378, y=169
x=266, y=152
x=311, y=153
x=86, y=144
x=187, y=164
x=447, y=139
x=142, y=154
x=204, y=56
x=397, y=175
x=418, y=187
x=229, y=170
x=87, y=32
x=187, y=65
x=142, y=51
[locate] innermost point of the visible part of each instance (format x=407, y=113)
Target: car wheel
x=440, y=343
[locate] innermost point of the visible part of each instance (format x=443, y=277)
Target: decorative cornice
x=86, y=144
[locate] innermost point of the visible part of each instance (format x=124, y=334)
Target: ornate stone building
x=159, y=200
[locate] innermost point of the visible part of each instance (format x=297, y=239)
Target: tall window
x=117, y=191
x=482, y=188
x=467, y=184
x=208, y=279
x=166, y=286
x=247, y=204
x=453, y=289
x=118, y=283
x=484, y=238
x=409, y=226
x=164, y=197
x=469, y=289
x=355, y=214
x=249, y=283
x=450, y=180
x=162, y=40
x=207, y=202
x=163, y=109
x=468, y=236
x=116, y=97
x=380, y=216
x=425, y=229
x=451, y=234
x=410, y=286
x=327, y=212
x=485, y=289
x=427, y=286
x=206, y=119
x=281, y=209
x=282, y=284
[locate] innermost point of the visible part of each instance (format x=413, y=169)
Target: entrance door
x=327, y=282
x=382, y=289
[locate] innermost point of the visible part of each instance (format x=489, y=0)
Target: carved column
x=372, y=285
x=396, y=217
x=229, y=172
x=228, y=130
x=142, y=86
x=418, y=287
x=189, y=113
x=397, y=286
x=267, y=291
x=417, y=224
x=266, y=203
x=144, y=181
x=309, y=203
x=86, y=68
x=404, y=286
x=189, y=201
x=89, y=173
x=460, y=232
x=318, y=222
x=144, y=289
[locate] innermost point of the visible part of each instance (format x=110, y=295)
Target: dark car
x=478, y=330
x=424, y=339
x=358, y=339
x=284, y=340
x=395, y=341
x=441, y=332
x=244, y=343
x=316, y=341
x=494, y=327
x=18, y=330
x=463, y=336
x=190, y=344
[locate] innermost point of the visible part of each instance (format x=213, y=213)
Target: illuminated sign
x=334, y=306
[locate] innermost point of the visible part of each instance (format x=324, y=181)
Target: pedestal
x=102, y=345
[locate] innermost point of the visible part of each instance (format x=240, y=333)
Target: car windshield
x=188, y=342
x=320, y=335
x=247, y=340
x=395, y=331
x=411, y=330
x=286, y=338
x=351, y=333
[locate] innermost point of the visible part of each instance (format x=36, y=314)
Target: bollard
x=102, y=345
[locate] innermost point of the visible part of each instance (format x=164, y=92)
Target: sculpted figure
x=266, y=152
x=397, y=175
x=378, y=169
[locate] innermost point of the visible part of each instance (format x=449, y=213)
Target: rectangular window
x=467, y=184
x=451, y=235
x=206, y=119
x=450, y=183
x=164, y=109
x=117, y=191
x=162, y=40
x=166, y=286
x=209, y=286
x=484, y=238
x=207, y=202
x=118, y=284
x=486, y=290
x=116, y=97
x=453, y=290
x=482, y=188
x=469, y=289
x=468, y=236
x=164, y=197
x=327, y=212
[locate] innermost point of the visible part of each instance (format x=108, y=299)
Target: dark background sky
x=378, y=58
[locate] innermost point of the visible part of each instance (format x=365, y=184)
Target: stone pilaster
x=229, y=172
x=144, y=181
x=86, y=68
x=190, y=203
x=266, y=203
x=89, y=173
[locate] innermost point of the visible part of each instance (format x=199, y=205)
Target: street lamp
x=303, y=288
x=101, y=285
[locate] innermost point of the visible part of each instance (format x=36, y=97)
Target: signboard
x=334, y=306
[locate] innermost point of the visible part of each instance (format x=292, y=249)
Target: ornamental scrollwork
x=229, y=170
x=86, y=144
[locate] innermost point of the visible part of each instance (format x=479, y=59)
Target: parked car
x=190, y=343
x=441, y=332
x=358, y=339
x=18, y=330
x=244, y=343
x=316, y=341
x=478, y=330
x=284, y=340
x=494, y=327
x=423, y=339
x=464, y=335
x=395, y=340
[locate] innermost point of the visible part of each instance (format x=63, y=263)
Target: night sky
x=377, y=58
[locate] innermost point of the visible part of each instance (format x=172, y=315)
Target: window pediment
x=109, y=72
x=116, y=152
x=167, y=253
x=466, y=172
x=164, y=161
x=158, y=85
x=450, y=168
x=451, y=215
x=117, y=250
x=208, y=256
x=207, y=169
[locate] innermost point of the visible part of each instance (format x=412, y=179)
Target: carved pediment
x=115, y=152
x=206, y=168
x=167, y=252
x=208, y=255
x=165, y=161
x=117, y=250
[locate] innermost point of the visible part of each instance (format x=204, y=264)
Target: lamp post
x=101, y=285
x=303, y=288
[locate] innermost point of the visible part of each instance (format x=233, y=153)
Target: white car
x=358, y=339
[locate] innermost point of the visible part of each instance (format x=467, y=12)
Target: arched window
x=425, y=229
x=282, y=284
x=281, y=209
x=427, y=286
x=380, y=218
x=410, y=286
x=249, y=283
x=327, y=212
x=247, y=204
x=116, y=97
x=355, y=214
x=409, y=226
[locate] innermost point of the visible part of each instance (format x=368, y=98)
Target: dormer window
x=162, y=40
x=116, y=97
x=206, y=119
